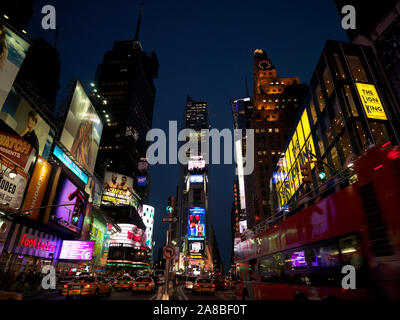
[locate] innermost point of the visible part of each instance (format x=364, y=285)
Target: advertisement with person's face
x=82, y=130
x=196, y=228
x=18, y=114
x=70, y=202
x=17, y=156
x=12, y=53
x=117, y=189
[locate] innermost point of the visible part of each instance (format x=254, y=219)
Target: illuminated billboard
x=77, y=250
x=16, y=155
x=70, y=164
x=13, y=50
x=82, y=129
x=70, y=207
x=196, y=247
x=196, y=164
x=288, y=175
x=117, y=189
x=196, y=223
x=130, y=236
x=19, y=115
x=142, y=181
x=370, y=100
x=196, y=178
x=147, y=215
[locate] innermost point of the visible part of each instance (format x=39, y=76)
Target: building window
x=319, y=141
x=337, y=121
x=320, y=98
x=339, y=68
x=357, y=69
x=379, y=132
x=344, y=145
x=328, y=82
x=335, y=159
x=350, y=100
x=313, y=112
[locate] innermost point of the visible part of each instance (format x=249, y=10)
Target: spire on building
x=139, y=22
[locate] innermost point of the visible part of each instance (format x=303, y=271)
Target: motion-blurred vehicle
x=123, y=283
x=62, y=282
x=161, y=275
x=143, y=284
x=157, y=281
x=203, y=285
x=89, y=286
x=10, y=295
x=220, y=284
x=189, y=282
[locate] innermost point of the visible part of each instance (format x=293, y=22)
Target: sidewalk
x=35, y=295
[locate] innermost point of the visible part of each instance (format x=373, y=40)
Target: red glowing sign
x=36, y=243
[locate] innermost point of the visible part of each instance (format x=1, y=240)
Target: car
x=64, y=281
x=9, y=295
x=157, y=281
x=204, y=285
x=161, y=275
x=220, y=284
x=189, y=282
x=143, y=284
x=87, y=286
x=123, y=282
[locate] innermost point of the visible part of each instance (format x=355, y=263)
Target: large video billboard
x=18, y=114
x=130, y=236
x=77, y=250
x=82, y=130
x=70, y=204
x=12, y=53
x=197, y=224
x=117, y=189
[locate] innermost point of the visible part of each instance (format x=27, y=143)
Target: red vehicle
x=302, y=256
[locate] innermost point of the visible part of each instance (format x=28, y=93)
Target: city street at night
x=212, y=159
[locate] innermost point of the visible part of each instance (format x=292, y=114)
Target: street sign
x=168, y=252
x=170, y=219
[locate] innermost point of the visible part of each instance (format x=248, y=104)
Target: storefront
x=30, y=249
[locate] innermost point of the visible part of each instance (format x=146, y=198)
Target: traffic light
x=306, y=172
x=320, y=170
x=171, y=205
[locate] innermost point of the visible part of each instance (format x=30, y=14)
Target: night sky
x=205, y=50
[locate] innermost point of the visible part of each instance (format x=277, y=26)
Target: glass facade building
x=347, y=109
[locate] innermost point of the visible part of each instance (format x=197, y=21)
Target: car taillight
x=197, y=285
x=133, y=283
x=65, y=286
x=116, y=282
x=88, y=286
x=213, y=285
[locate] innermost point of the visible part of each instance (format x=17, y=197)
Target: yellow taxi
x=143, y=284
x=124, y=282
x=88, y=286
x=203, y=285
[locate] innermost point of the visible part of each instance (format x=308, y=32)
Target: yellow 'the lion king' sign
x=371, y=102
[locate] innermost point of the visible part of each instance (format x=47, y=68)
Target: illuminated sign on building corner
x=70, y=164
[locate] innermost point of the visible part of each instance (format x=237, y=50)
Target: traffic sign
x=170, y=219
x=168, y=252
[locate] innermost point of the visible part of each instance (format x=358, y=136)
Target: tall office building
x=17, y=13
x=192, y=207
x=125, y=85
x=276, y=102
x=124, y=92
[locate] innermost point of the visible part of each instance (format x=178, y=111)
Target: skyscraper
x=193, y=229
x=276, y=103
x=378, y=26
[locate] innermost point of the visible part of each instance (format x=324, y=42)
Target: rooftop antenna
x=139, y=22
x=247, y=87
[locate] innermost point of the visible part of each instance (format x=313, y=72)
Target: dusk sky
x=205, y=50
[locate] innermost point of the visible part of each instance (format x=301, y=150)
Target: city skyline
x=226, y=63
